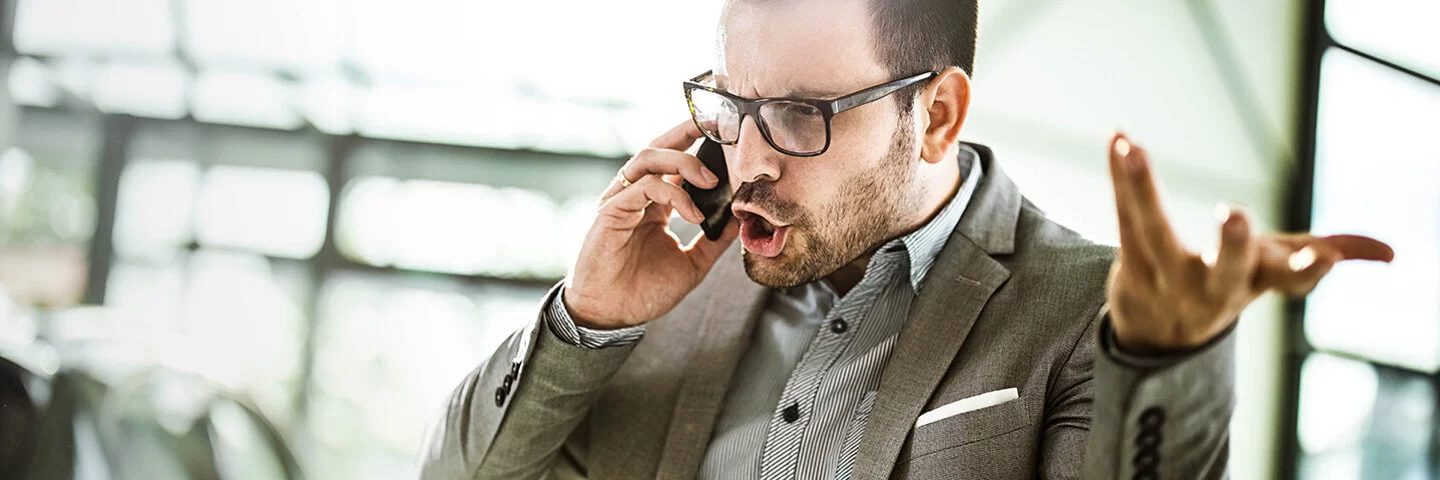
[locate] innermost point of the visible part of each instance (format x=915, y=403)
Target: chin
x=770, y=272
x=782, y=271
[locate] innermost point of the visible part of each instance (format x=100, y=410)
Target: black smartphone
x=713, y=203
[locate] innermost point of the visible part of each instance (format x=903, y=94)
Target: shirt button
x=839, y=326
x=791, y=413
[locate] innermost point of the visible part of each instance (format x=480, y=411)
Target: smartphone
x=713, y=203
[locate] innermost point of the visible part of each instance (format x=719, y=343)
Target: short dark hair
x=913, y=36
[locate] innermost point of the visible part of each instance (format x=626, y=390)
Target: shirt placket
x=794, y=411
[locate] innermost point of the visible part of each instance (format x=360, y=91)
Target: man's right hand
x=631, y=268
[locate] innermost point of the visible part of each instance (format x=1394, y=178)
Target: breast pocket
x=970, y=427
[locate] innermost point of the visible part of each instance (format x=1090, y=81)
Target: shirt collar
x=924, y=245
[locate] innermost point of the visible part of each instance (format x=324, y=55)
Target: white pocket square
x=967, y=404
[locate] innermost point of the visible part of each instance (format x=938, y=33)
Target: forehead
x=788, y=47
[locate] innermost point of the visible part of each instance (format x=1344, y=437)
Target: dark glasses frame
x=828, y=108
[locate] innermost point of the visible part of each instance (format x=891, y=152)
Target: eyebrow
x=813, y=93
x=797, y=92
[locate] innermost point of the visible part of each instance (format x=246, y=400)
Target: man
x=894, y=308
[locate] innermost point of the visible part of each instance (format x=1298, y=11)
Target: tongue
x=757, y=241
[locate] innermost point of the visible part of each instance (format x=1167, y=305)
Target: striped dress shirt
x=798, y=403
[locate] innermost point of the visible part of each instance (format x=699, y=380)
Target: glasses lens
x=716, y=115
x=797, y=127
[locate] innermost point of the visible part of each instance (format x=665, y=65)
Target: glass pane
x=327, y=101
x=33, y=83
x=59, y=27
x=1358, y=421
x=455, y=210
x=295, y=35
x=1401, y=31
x=245, y=98
x=151, y=287
x=147, y=89
x=1376, y=171
x=459, y=228
x=154, y=209
x=467, y=115
x=418, y=337
x=272, y=211
x=236, y=318
x=434, y=81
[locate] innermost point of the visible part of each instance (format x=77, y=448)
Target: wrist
x=1154, y=341
x=1142, y=347
x=582, y=317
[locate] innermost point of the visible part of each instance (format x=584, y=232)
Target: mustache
x=762, y=194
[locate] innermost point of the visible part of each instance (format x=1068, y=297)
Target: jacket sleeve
x=511, y=416
x=1161, y=417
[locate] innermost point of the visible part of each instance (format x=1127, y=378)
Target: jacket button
x=507, y=383
x=1148, y=439
x=1152, y=417
x=1146, y=459
x=500, y=396
x=839, y=326
x=791, y=413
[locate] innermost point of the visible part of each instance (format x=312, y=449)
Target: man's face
x=803, y=218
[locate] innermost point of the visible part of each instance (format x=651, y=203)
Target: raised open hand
x=1164, y=296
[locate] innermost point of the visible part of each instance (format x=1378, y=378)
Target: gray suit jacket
x=1014, y=300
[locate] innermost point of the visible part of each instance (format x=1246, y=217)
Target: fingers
x=680, y=137
x=1235, y=261
x=1137, y=200
x=660, y=161
x=1294, y=264
x=1293, y=271
x=1358, y=247
x=625, y=210
x=1129, y=234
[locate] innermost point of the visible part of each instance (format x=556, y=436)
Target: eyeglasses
x=793, y=126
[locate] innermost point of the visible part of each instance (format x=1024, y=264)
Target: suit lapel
x=964, y=277
x=729, y=318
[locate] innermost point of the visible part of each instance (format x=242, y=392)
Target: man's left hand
x=1164, y=297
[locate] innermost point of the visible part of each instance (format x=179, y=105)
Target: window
x=1365, y=406
x=337, y=209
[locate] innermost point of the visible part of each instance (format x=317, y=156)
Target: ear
x=945, y=102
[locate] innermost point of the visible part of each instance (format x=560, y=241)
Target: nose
x=752, y=158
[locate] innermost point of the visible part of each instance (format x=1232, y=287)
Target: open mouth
x=759, y=235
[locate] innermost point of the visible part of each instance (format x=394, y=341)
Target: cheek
x=818, y=189
x=809, y=182
x=853, y=154
x=864, y=133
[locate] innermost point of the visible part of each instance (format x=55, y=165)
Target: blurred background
x=265, y=239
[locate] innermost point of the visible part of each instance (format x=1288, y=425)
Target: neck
x=941, y=180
